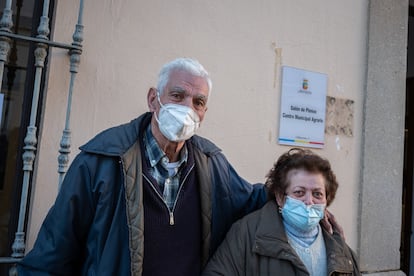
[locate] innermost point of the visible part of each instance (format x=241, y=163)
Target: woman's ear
x=280, y=199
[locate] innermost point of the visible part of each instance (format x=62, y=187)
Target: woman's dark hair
x=296, y=158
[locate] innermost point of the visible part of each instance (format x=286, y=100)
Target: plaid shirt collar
x=155, y=153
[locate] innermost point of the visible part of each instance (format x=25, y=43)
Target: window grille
x=42, y=43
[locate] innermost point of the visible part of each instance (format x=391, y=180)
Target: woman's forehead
x=305, y=179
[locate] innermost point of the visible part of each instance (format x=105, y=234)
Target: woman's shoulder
x=252, y=220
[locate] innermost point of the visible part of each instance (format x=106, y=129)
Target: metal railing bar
x=29, y=155
x=41, y=40
x=9, y=260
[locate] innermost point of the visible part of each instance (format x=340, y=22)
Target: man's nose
x=189, y=101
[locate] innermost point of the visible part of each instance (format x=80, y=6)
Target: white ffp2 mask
x=177, y=122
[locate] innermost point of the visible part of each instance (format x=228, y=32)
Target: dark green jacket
x=257, y=245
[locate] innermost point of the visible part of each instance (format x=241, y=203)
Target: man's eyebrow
x=200, y=96
x=177, y=89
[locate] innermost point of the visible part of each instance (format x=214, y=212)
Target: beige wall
x=242, y=44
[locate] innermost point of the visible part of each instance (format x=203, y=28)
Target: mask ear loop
x=158, y=98
x=161, y=105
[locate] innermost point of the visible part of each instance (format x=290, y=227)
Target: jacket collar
x=115, y=141
x=335, y=252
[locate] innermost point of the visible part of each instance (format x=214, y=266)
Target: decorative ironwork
x=65, y=143
x=6, y=24
x=30, y=141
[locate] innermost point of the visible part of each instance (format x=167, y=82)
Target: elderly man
x=148, y=197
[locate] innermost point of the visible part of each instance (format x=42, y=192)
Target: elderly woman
x=285, y=236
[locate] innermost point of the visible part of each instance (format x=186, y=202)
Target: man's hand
x=331, y=225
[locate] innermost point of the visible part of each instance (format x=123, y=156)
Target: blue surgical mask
x=301, y=216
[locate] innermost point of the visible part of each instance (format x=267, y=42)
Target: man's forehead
x=186, y=76
x=197, y=86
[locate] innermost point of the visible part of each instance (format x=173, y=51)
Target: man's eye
x=176, y=96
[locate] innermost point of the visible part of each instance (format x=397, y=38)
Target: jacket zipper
x=171, y=212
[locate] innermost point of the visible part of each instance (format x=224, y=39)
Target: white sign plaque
x=303, y=106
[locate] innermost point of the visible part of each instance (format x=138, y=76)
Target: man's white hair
x=189, y=65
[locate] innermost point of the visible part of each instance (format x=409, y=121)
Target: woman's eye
x=298, y=193
x=318, y=194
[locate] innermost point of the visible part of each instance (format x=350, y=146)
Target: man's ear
x=152, y=99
